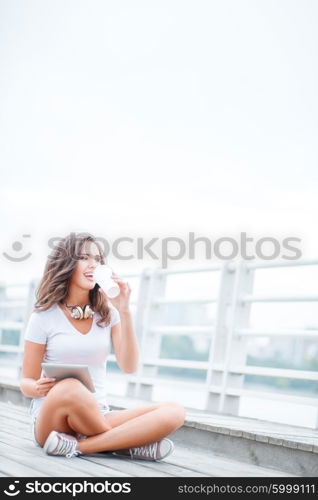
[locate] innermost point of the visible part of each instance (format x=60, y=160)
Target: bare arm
x=123, y=336
x=125, y=343
x=31, y=383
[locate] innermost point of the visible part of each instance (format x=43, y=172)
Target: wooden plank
x=139, y=467
x=11, y=437
x=15, y=418
x=7, y=412
x=39, y=463
x=133, y=467
x=23, y=441
x=219, y=466
x=15, y=429
x=9, y=403
x=172, y=469
x=6, y=422
x=185, y=461
x=14, y=422
x=12, y=468
x=54, y=464
x=12, y=408
x=13, y=434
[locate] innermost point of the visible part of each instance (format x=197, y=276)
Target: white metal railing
x=252, y=332
x=279, y=298
x=226, y=365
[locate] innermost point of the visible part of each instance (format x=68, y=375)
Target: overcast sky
x=154, y=119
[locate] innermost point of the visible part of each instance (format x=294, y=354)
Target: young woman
x=74, y=322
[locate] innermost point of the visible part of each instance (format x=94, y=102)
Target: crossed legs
x=71, y=408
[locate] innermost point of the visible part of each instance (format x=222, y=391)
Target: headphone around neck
x=78, y=312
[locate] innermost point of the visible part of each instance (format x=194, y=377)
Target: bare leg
x=69, y=407
x=138, y=431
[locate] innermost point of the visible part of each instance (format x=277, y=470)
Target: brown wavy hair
x=54, y=285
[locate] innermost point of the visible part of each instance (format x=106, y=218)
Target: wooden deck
x=19, y=457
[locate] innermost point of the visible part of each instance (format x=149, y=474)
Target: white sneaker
x=59, y=443
x=154, y=451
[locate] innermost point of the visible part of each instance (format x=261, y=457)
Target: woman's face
x=89, y=259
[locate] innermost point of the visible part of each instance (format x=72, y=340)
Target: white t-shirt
x=65, y=344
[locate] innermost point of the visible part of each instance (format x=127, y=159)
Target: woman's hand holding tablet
x=62, y=371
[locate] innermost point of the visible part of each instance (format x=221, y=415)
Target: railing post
x=218, y=340
x=229, y=349
x=28, y=309
x=140, y=324
x=148, y=316
x=2, y=310
x=236, y=349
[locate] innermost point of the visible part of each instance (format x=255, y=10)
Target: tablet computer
x=61, y=371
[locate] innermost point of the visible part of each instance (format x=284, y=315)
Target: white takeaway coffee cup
x=102, y=276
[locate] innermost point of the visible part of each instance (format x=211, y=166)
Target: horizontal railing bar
x=165, y=381
x=291, y=263
x=13, y=285
x=173, y=363
x=130, y=275
x=10, y=304
x=190, y=271
x=275, y=372
x=305, y=400
x=184, y=301
x=248, y=370
x=182, y=330
x=276, y=333
x=279, y=298
x=177, y=363
x=11, y=348
x=11, y=325
x=281, y=397
x=153, y=381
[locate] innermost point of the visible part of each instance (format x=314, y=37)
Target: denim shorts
x=35, y=408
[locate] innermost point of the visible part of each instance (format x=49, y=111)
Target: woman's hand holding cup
x=116, y=290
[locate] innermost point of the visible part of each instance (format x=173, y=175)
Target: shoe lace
x=150, y=451
x=67, y=447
